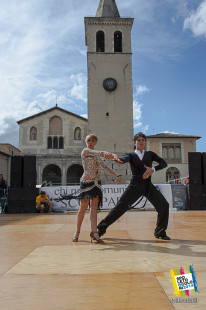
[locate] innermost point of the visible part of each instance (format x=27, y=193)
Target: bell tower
x=110, y=89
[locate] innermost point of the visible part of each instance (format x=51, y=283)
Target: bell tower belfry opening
x=110, y=89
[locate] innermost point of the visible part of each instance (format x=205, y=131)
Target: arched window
x=55, y=126
x=77, y=133
x=61, y=143
x=55, y=143
x=33, y=133
x=118, y=42
x=100, y=44
x=49, y=143
x=172, y=174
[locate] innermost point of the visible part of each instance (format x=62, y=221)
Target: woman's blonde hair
x=91, y=136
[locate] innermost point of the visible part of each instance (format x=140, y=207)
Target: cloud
x=79, y=88
x=12, y=101
x=145, y=128
x=156, y=33
x=42, y=51
x=11, y=132
x=137, y=113
x=84, y=115
x=137, y=117
x=166, y=131
x=140, y=90
x=196, y=22
x=43, y=102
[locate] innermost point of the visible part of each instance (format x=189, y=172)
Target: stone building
x=174, y=148
x=57, y=137
x=6, y=151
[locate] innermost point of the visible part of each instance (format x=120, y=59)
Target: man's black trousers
x=133, y=192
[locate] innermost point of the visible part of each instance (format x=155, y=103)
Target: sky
x=43, y=61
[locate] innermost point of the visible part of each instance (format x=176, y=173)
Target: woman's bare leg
x=93, y=213
x=93, y=219
x=80, y=216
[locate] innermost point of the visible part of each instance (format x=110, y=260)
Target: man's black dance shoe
x=161, y=234
x=101, y=232
x=164, y=237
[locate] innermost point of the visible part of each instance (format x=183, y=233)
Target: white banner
x=111, y=195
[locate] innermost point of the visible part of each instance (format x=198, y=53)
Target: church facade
x=56, y=137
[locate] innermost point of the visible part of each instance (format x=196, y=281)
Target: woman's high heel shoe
x=92, y=235
x=76, y=237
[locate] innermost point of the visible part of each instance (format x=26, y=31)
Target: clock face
x=110, y=84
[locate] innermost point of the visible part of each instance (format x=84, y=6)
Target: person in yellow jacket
x=43, y=204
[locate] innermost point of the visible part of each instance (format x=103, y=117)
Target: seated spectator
x=43, y=204
x=3, y=185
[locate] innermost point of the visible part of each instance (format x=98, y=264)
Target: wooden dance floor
x=40, y=267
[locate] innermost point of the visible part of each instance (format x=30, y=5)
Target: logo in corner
x=184, y=282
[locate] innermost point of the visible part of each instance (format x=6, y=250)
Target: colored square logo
x=184, y=282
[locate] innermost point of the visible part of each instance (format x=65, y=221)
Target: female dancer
x=90, y=185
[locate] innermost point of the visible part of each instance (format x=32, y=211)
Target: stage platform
x=40, y=267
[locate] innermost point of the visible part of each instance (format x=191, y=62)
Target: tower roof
x=107, y=8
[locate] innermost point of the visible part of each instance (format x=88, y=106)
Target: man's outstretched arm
x=122, y=160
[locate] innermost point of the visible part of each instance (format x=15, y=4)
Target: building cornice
x=170, y=135
x=8, y=144
x=6, y=154
x=51, y=110
x=108, y=21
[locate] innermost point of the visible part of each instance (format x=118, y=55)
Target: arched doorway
x=74, y=174
x=172, y=174
x=52, y=173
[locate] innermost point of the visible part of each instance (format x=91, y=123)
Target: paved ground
x=40, y=267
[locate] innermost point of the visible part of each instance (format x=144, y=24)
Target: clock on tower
x=110, y=84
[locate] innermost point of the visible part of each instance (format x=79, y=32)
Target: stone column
x=64, y=175
x=39, y=174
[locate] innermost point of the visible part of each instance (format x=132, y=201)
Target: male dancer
x=140, y=185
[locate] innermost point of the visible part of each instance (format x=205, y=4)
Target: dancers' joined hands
x=149, y=171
